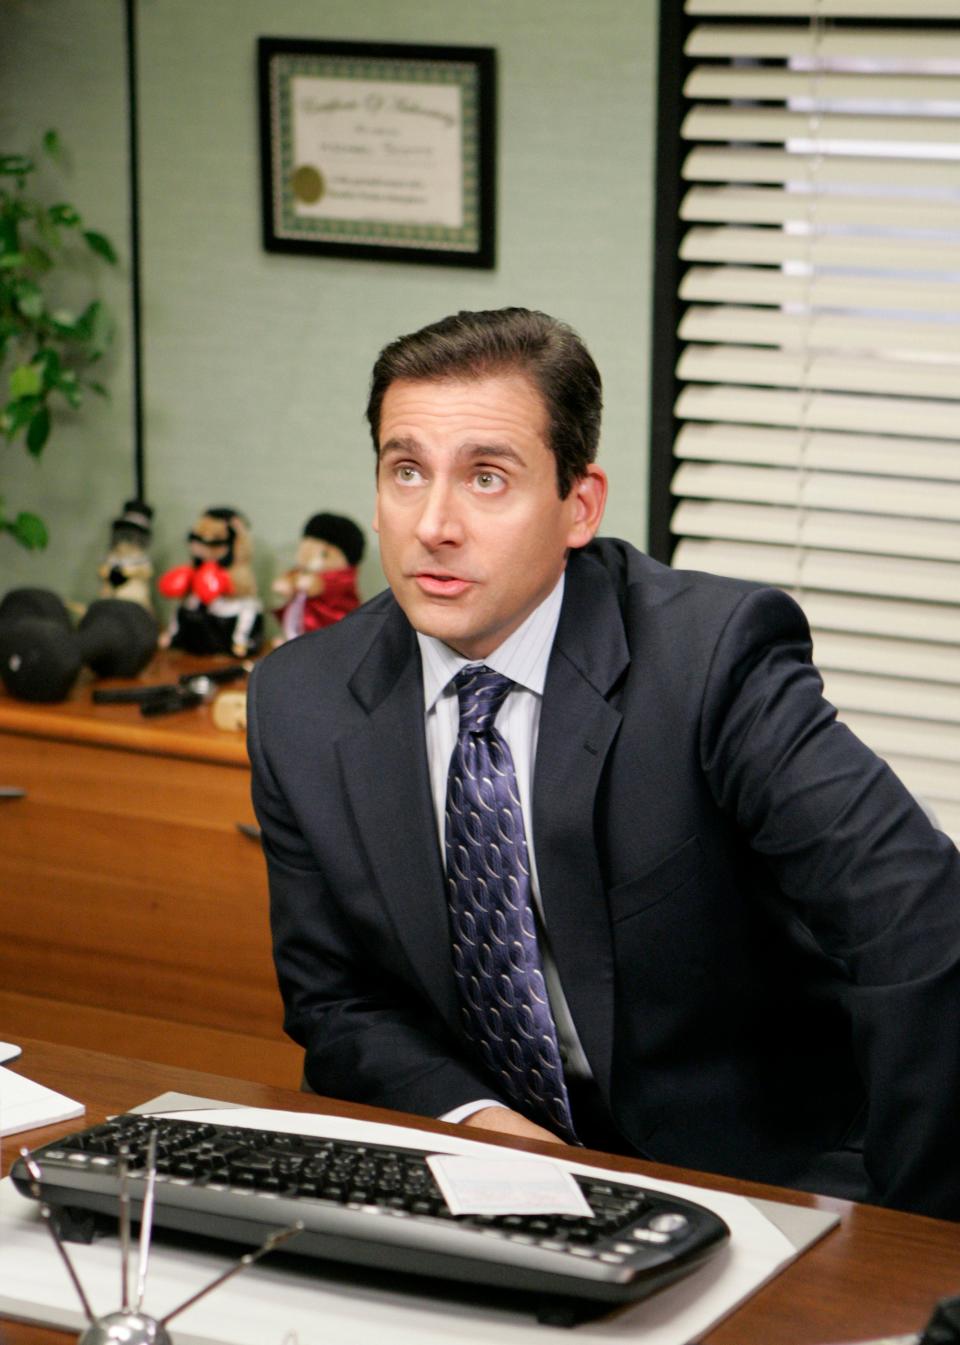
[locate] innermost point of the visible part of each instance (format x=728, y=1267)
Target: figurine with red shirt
x=322, y=586
x=219, y=611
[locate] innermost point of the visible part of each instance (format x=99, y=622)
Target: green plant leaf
x=64, y=324
x=51, y=143
x=7, y=330
x=15, y=165
x=101, y=245
x=83, y=325
x=38, y=431
x=30, y=531
x=9, y=234
x=26, y=381
x=98, y=388
x=64, y=214
x=16, y=414
x=48, y=362
x=10, y=261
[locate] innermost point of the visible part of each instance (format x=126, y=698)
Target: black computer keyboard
x=377, y=1206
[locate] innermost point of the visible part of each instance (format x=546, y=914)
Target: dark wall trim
x=672, y=66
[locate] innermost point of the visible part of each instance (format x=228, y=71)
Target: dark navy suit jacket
x=757, y=929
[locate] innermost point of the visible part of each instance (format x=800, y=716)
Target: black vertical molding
x=672, y=68
x=133, y=148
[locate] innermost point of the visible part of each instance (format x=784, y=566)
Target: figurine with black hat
x=126, y=570
x=321, y=588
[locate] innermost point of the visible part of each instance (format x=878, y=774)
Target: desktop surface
x=878, y=1273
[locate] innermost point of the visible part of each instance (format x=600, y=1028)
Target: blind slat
x=737, y=163
x=804, y=569
x=870, y=535
x=828, y=9
x=910, y=621
x=871, y=455
x=881, y=657
x=775, y=246
x=819, y=331
x=768, y=205
x=709, y=121
x=818, y=410
x=766, y=285
x=819, y=490
x=900, y=45
x=832, y=373
x=777, y=83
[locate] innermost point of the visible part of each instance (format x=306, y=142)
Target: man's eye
x=488, y=481
x=406, y=474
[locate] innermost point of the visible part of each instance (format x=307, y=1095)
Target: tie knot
x=481, y=692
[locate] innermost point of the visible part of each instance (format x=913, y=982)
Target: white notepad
x=24, y=1105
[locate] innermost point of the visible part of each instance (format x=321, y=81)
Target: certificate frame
x=378, y=151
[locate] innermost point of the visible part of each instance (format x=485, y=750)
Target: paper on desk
x=8, y=1051
x=508, y=1184
x=25, y=1105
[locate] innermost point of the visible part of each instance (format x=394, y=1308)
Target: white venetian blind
x=819, y=410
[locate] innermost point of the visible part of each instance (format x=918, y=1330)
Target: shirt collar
x=523, y=656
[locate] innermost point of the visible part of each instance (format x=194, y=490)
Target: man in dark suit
x=748, y=931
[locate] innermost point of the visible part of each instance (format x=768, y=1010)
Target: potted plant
x=46, y=352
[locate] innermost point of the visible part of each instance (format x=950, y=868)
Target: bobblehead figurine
x=322, y=586
x=219, y=611
x=126, y=570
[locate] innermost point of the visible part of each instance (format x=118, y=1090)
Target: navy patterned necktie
x=504, y=1004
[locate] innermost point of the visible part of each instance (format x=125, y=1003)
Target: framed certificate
x=379, y=151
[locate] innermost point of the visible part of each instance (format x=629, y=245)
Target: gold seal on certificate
x=307, y=184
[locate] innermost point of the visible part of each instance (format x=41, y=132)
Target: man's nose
x=439, y=522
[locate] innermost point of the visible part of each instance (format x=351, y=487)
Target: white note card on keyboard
x=24, y=1105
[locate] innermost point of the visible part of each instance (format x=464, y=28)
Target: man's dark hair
x=469, y=346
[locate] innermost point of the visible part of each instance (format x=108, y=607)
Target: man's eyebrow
x=403, y=444
x=469, y=451
x=503, y=451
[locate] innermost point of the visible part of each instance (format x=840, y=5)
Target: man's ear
x=588, y=498
x=375, y=521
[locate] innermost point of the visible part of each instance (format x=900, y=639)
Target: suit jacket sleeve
x=869, y=877
x=368, y=1036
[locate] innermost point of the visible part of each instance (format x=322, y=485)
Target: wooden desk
x=134, y=907
x=879, y=1273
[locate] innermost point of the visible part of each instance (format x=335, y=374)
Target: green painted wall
x=256, y=364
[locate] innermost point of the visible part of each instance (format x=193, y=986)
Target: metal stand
x=130, y=1324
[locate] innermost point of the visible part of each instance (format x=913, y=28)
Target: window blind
x=818, y=445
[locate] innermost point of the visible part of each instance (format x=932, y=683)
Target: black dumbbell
x=41, y=654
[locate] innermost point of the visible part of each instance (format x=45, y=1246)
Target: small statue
x=126, y=570
x=219, y=611
x=322, y=586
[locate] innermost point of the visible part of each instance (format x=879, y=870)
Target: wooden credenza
x=133, y=902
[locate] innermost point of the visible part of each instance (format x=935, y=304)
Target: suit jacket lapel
x=577, y=727
x=384, y=765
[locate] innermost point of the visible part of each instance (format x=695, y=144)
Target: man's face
x=473, y=533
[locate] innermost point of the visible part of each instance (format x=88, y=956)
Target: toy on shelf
x=322, y=586
x=126, y=570
x=218, y=609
